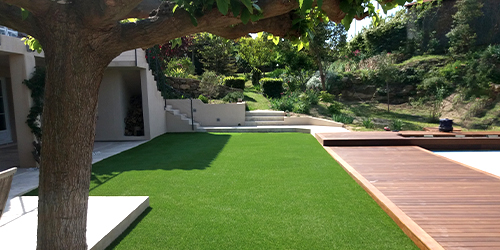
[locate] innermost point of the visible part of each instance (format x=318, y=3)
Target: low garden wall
x=226, y=114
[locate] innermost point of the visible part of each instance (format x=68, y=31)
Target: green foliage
x=335, y=107
x=311, y=96
x=343, y=118
x=210, y=83
x=203, y=98
x=233, y=96
x=256, y=76
x=326, y=97
x=461, y=36
x=218, y=54
x=271, y=87
x=291, y=102
x=235, y=82
x=275, y=73
x=257, y=51
x=179, y=67
x=368, y=123
x=397, y=125
x=36, y=84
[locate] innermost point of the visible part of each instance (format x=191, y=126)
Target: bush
x=256, y=76
x=343, y=118
x=291, y=102
x=203, y=98
x=326, y=97
x=235, y=82
x=275, y=73
x=397, y=125
x=312, y=96
x=179, y=67
x=209, y=84
x=233, y=97
x=271, y=87
x=335, y=107
x=368, y=123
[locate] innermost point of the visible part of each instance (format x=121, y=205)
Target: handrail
x=162, y=85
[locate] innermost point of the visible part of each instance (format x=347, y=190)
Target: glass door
x=5, y=134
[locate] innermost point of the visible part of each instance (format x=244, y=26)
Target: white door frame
x=5, y=135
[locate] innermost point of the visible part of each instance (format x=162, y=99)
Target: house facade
x=126, y=80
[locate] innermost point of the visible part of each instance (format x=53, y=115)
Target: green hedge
x=272, y=87
x=235, y=82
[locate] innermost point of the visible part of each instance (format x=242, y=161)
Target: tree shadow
x=184, y=151
x=249, y=99
x=129, y=229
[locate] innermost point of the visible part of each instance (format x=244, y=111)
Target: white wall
x=227, y=114
x=155, y=117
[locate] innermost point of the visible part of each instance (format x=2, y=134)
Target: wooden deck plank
x=448, y=204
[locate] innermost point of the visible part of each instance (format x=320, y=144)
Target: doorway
x=5, y=133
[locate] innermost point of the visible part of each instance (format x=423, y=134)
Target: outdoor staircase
x=183, y=117
x=264, y=118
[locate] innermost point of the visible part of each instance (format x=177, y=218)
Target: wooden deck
x=428, y=140
x=439, y=203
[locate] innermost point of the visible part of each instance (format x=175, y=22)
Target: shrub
x=179, y=67
x=343, y=118
x=326, y=97
x=293, y=101
x=312, y=96
x=275, y=73
x=233, y=97
x=397, y=125
x=368, y=123
x=335, y=107
x=209, y=84
x=235, y=82
x=203, y=98
x=272, y=87
x=256, y=76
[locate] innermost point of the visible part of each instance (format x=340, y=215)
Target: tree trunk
x=321, y=74
x=74, y=73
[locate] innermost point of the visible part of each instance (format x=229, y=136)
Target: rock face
x=191, y=87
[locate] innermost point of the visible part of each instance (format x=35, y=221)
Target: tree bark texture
x=74, y=73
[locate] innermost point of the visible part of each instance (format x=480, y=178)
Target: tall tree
x=217, y=53
x=80, y=38
x=326, y=41
x=258, y=51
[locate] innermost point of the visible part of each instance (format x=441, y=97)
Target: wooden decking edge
x=409, y=227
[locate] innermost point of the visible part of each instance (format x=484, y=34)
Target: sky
x=356, y=25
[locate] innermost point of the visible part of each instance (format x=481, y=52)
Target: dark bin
x=445, y=125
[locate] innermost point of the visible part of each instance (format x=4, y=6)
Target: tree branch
x=33, y=6
x=99, y=12
x=278, y=26
x=166, y=26
x=10, y=16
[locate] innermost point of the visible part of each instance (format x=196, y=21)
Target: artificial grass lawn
x=244, y=191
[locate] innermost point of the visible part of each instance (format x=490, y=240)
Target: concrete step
x=264, y=113
x=250, y=129
x=264, y=123
x=264, y=118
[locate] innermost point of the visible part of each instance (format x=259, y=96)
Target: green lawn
x=254, y=99
x=244, y=191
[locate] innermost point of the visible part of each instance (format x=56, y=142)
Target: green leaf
x=420, y=1
x=255, y=6
x=176, y=42
x=248, y=4
x=235, y=7
x=307, y=5
x=245, y=16
x=256, y=17
x=223, y=6
x=347, y=20
x=193, y=20
x=300, y=46
x=300, y=3
x=175, y=7
x=320, y=3
x=24, y=14
x=276, y=40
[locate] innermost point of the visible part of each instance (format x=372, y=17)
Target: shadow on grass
x=249, y=99
x=184, y=151
x=129, y=229
x=366, y=110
